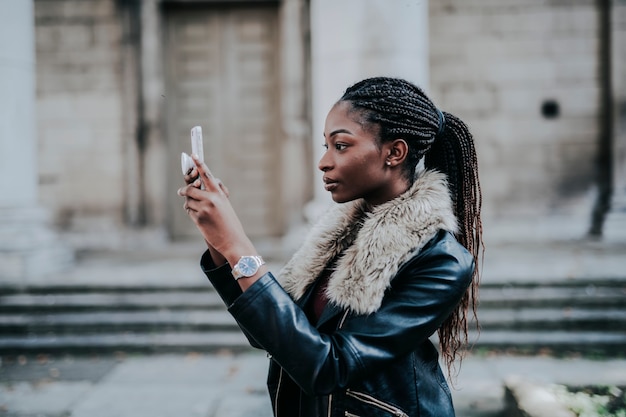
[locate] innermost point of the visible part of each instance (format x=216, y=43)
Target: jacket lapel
x=373, y=243
x=330, y=311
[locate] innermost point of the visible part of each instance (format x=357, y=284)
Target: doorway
x=222, y=74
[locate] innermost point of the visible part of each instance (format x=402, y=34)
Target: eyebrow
x=336, y=132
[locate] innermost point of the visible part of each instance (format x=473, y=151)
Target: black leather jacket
x=380, y=364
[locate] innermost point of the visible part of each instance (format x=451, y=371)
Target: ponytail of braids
x=453, y=153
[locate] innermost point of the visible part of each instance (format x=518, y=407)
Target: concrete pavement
x=175, y=386
x=226, y=385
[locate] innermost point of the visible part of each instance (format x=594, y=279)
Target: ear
x=396, y=152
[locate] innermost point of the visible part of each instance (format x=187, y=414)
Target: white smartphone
x=196, y=148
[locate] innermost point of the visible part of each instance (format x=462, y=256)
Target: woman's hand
x=190, y=178
x=211, y=211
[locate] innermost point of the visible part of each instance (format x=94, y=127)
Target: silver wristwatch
x=247, y=266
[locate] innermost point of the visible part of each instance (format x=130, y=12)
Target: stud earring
x=388, y=163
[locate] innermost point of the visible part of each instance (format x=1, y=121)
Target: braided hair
x=401, y=110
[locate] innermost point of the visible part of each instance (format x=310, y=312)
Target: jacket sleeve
x=226, y=287
x=425, y=291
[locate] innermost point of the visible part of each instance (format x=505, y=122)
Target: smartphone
x=196, y=148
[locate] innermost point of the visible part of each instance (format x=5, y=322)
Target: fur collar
x=374, y=243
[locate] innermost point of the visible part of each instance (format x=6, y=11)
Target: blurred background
x=99, y=96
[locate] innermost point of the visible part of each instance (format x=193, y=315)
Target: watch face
x=248, y=266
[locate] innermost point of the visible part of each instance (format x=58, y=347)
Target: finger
x=191, y=175
x=188, y=190
x=183, y=191
x=223, y=187
x=192, y=206
x=193, y=195
x=187, y=208
x=205, y=175
x=202, y=168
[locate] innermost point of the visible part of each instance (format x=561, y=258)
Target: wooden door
x=222, y=75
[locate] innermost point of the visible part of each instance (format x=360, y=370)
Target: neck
x=395, y=189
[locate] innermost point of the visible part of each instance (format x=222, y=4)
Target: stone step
x=163, y=342
x=583, y=318
x=94, y=301
x=610, y=319
x=563, y=342
x=591, y=295
x=609, y=343
x=132, y=298
x=120, y=321
x=220, y=319
x=42, y=289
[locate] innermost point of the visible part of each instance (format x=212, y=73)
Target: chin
x=342, y=199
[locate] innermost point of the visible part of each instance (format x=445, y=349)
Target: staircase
x=110, y=319
x=579, y=316
x=582, y=317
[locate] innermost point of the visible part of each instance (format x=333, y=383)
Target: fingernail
x=194, y=156
x=196, y=183
x=179, y=192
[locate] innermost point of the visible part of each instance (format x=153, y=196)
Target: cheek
x=364, y=162
x=369, y=166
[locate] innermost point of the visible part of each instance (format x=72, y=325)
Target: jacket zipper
x=280, y=380
x=368, y=399
x=330, y=397
x=343, y=320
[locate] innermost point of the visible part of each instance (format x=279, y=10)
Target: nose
x=325, y=163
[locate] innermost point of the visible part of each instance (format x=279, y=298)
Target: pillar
x=28, y=247
x=294, y=116
x=152, y=143
x=356, y=39
x=615, y=224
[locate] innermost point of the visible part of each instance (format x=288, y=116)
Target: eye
x=340, y=146
x=325, y=146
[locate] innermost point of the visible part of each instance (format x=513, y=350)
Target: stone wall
x=80, y=116
x=101, y=139
x=500, y=65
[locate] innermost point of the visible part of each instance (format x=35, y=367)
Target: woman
x=347, y=328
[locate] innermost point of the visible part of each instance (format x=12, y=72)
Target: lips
x=330, y=184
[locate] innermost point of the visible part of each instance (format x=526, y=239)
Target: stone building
x=120, y=83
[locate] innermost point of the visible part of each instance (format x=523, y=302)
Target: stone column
x=28, y=248
x=295, y=126
x=615, y=224
x=152, y=147
x=355, y=39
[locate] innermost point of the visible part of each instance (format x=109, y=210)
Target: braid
x=454, y=154
x=402, y=110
